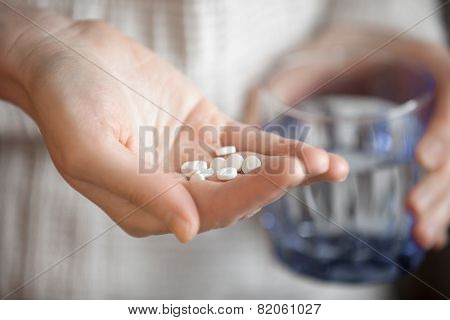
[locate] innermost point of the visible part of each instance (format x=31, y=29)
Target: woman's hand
x=90, y=89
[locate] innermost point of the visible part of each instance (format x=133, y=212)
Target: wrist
x=22, y=45
x=11, y=87
x=14, y=33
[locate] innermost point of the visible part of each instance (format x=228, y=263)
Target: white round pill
x=235, y=160
x=223, y=151
x=218, y=163
x=197, y=176
x=208, y=172
x=251, y=163
x=228, y=173
x=190, y=167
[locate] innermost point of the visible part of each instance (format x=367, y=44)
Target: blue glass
x=358, y=230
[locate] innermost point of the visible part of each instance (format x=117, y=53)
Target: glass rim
x=408, y=107
x=414, y=104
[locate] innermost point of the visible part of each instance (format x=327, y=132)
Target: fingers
x=425, y=194
x=430, y=202
x=160, y=195
x=338, y=171
x=222, y=203
x=434, y=148
x=315, y=161
x=431, y=228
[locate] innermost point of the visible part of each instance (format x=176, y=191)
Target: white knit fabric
x=224, y=46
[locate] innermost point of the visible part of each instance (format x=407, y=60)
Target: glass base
x=372, y=268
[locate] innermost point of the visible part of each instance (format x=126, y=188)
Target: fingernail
x=253, y=213
x=343, y=171
x=432, y=153
x=181, y=228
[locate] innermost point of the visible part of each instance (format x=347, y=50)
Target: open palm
x=95, y=94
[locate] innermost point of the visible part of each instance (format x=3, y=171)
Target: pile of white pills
x=225, y=166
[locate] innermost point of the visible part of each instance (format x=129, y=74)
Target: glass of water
x=373, y=113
